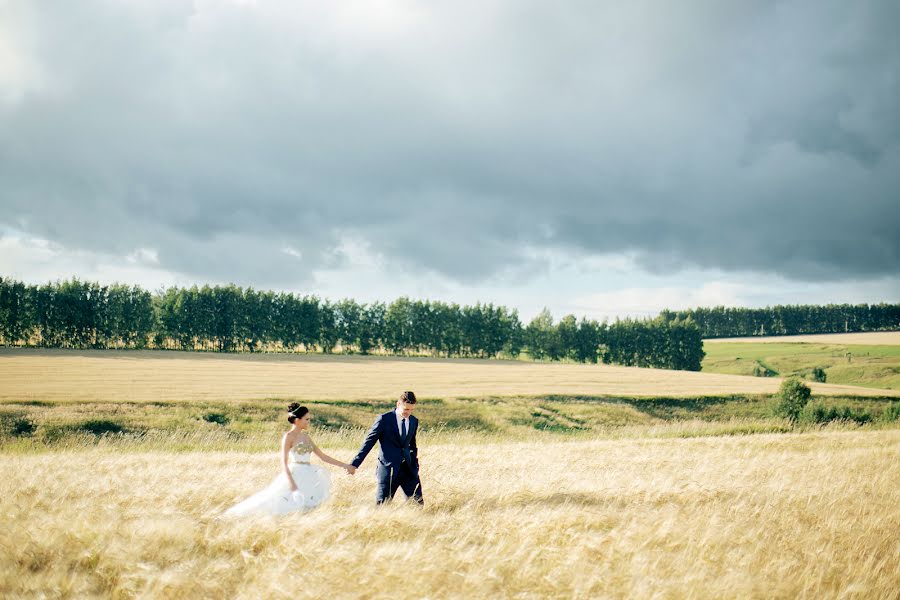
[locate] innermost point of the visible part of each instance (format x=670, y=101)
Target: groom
x=398, y=462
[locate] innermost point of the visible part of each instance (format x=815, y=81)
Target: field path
x=148, y=376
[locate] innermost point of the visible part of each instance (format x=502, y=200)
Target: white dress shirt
x=400, y=420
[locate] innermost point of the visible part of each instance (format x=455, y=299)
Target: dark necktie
x=403, y=429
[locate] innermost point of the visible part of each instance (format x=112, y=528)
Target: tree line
x=721, y=321
x=78, y=314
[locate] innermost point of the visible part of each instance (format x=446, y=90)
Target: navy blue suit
x=398, y=460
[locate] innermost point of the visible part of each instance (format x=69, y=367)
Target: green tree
x=398, y=326
x=567, y=336
x=513, y=332
x=15, y=326
x=329, y=332
x=792, y=397
x=587, y=341
x=351, y=319
x=542, y=338
x=371, y=331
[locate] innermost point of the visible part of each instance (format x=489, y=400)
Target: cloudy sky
x=597, y=157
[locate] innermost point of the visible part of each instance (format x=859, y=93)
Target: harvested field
x=148, y=376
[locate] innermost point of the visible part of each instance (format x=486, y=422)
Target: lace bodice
x=300, y=452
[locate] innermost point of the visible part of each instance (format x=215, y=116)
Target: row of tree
x=721, y=321
x=230, y=318
x=76, y=314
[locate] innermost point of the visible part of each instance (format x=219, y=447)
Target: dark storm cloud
x=455, y=136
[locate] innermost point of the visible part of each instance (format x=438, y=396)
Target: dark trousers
x=391, y=478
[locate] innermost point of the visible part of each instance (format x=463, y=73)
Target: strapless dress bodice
x=300, y=453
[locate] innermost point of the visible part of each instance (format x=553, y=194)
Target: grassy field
x=767, y=516
x=254, y=426
x=873, y=338
x=116, y=465
x=52, y=399
x=159, y=400
x=154, y=376
x=875, y=366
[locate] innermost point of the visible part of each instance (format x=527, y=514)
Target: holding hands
x=351, y=470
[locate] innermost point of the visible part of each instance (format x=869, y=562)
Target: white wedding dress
x=313, y=483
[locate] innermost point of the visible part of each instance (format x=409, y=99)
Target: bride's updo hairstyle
x=295, y=411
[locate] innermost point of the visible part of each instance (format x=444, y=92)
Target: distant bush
x=761, y=370
x=23, y=426
x=823, y=414
x=792, y=397
x=16, y=425
x=818, y=374
x=891, y=413
x=332, y=421
x=216, y=417
x=100, y=427
x=55, y=432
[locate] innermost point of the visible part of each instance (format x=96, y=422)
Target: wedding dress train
x=313, y=483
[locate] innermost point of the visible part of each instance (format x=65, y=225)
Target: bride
x=300, y=486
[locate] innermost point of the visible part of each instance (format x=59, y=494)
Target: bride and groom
x=302, y=485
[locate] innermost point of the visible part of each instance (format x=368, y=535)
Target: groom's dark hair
x=408, y=397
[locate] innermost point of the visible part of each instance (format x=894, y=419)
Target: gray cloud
x=452, y=136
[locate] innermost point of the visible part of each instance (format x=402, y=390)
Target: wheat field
x=152, y=376
x=814, y=515
x=649, y=509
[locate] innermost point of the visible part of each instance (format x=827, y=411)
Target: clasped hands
x=351, y=470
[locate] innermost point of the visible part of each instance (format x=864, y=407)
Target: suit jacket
x=394, y=449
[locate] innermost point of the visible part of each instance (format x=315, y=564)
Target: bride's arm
x=326, y=458
x=285, y=450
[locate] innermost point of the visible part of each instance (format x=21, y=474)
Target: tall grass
x=813, y=515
